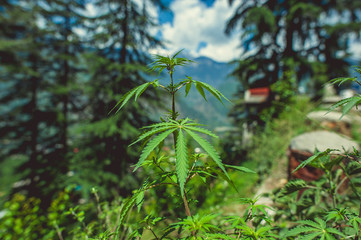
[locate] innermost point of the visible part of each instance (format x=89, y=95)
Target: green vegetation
x=81, y=156
x=292, y=43
x=174, y=178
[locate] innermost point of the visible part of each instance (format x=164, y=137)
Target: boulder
x=303, y=146
x=322, y=140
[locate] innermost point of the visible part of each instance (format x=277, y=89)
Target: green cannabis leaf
x=168, y=63
x=162, y=130
x=181, y=160
x=317, y=229
x=201, y=86
x=292, y=186
x=313, y=158
x=137, y=91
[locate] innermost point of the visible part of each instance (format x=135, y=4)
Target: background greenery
x=65, y=164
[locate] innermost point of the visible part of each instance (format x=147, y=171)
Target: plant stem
x=186, y=206
x=150, y=229
x=173, y=91
x=359, y=225
x=174, y=117
x=332, y=188
x=58, y=231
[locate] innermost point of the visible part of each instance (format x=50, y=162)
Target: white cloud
x=91, y=10
x=195, y=23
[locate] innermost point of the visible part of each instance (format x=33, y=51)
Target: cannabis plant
x=188, y=165
x=335, y=215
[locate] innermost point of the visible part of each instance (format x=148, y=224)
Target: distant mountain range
x=217, y=74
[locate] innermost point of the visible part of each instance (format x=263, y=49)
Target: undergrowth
x=181, y=165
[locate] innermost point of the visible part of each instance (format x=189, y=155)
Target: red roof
x=256, y=95
x=259, y=91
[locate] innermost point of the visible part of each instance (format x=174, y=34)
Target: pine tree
x=21, y=80
x=36, y=124
x=294, y=42
x=117, y=63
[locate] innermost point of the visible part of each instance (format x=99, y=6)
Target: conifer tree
x=36, y=72
x=120, y=40
x=294, y=42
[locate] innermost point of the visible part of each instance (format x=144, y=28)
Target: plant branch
x=160, y=85
x=332, y=189
x=174, y=117
x=150, y=229
x=58, y=231
x=163, y=171
x=181, y=86
x=186, y=205
x=159, y=184
x=190, y=171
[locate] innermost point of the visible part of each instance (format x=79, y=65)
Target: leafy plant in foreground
x=333, y=218
x=313, y=229
x=188, y=165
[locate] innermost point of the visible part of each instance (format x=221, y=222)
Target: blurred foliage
x=57, y=89
x=293, y=42
x=58, y=86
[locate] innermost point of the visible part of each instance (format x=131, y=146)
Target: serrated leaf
x=159, y=128
x=188, y=88
x=312, y=159
x=155, y=125
x=176, y=54
x=127, y=206
x=309, y=222
x=356, y=182
x=264, y=229
x=299, y=229
x=201, y=130
x=200, y=172
x=335, y=231
x=218, y=236
x=213, y=91
x=155, y=83
x=184, y=121
x=240, y=168
x=140, y=90
x=124, y=100
x=200, y=90
x=321, y=222
x=182, y=165
x=338, y=104
x=137, y=91
x=342, y=80
x=152, y=144
x=140, y=200
x=209, y=149
x=355, y=221
x=292, y=186
x=354, y=101
x=310, y=236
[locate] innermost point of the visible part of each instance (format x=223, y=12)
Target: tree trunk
x=64, y=83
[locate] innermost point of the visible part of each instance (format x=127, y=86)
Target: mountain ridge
x=218, y=74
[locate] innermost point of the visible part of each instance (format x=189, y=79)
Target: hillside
x=212, y=112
